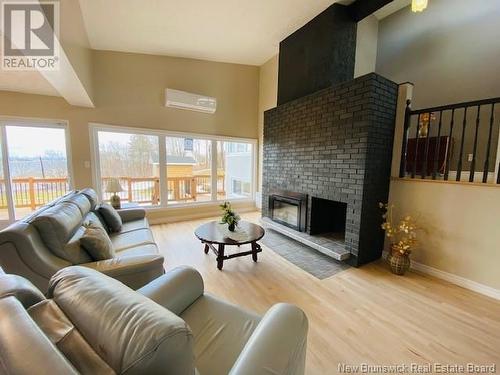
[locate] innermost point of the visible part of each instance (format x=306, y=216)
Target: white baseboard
x=454, y=279
x=193, y=216
x=457, y=280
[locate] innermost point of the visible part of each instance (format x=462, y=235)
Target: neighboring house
x=238, y=181
x=178, y=166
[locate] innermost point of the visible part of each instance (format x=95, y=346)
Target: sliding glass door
x=5, y=200
x=34, y=168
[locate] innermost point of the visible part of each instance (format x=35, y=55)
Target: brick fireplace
x=335, y=145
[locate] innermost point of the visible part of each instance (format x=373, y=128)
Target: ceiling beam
x=363, y=8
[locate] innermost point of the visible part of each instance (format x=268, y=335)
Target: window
x=157, y=168
x=189, y=169
x=132, y=160
x=34, y=158
x=235, y=165
x=241, y=188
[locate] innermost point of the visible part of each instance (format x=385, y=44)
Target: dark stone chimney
x=318, y=55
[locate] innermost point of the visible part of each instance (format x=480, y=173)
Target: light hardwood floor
x=361, y=315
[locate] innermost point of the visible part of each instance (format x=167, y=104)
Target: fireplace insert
x=289, y=209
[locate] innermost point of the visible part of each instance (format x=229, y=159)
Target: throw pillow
x=96, y=242
x=111, y=218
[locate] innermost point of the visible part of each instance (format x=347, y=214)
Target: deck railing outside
x=35, y=192
x=180, y=189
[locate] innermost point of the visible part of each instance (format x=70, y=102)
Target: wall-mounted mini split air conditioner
x=185, y=100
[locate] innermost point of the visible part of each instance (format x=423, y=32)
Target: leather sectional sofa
x=90, y=323
x=37, y=252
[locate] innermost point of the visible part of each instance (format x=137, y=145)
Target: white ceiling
x=236, y=31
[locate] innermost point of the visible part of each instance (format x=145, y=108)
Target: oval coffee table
x=214, y=233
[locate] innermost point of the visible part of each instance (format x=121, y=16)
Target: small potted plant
x=402, y=236
x=229, y=217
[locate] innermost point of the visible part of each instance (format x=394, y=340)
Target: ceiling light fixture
x=418, y=5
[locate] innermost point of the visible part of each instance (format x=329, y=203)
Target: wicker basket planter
x=399, y=263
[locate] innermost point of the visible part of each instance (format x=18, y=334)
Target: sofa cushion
x=96, y=242
x=122, y=241
x=111, y=217
x=20, y=288
x=94, y=218
x=57, y=225
x=149, y=249
x=135, y=335
x=80, y=201
x=221, y=330
x=130, y=226
x=91, y=196
x=74, y=251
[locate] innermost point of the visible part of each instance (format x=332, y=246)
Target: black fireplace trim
x=297, y=199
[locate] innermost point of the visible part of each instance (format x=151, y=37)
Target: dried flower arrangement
x=402, y=234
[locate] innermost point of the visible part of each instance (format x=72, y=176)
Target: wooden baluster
x=169, y=189
x=414, y=169
x=462, y=141
x=404, y=146
x=31, y=189
x=156, y=192
x=474, y=149
x=437, y=148
x=176, y=189
x=448, y=150
x=193, y=189
x=129, y=189
x=423, y=173
x=488, y=146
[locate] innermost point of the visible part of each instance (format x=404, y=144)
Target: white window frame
x=30, y=123
x=94, y=128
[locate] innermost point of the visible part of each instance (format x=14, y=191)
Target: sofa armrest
x=134, y=271
x=278, y=344
x=130, y=214
x=176, y=290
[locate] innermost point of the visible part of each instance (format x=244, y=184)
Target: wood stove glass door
x=286, y=213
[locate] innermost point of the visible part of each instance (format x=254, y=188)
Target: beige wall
x=129, y=91
x=268, y=96
x=460, y=224
x=449, y=51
